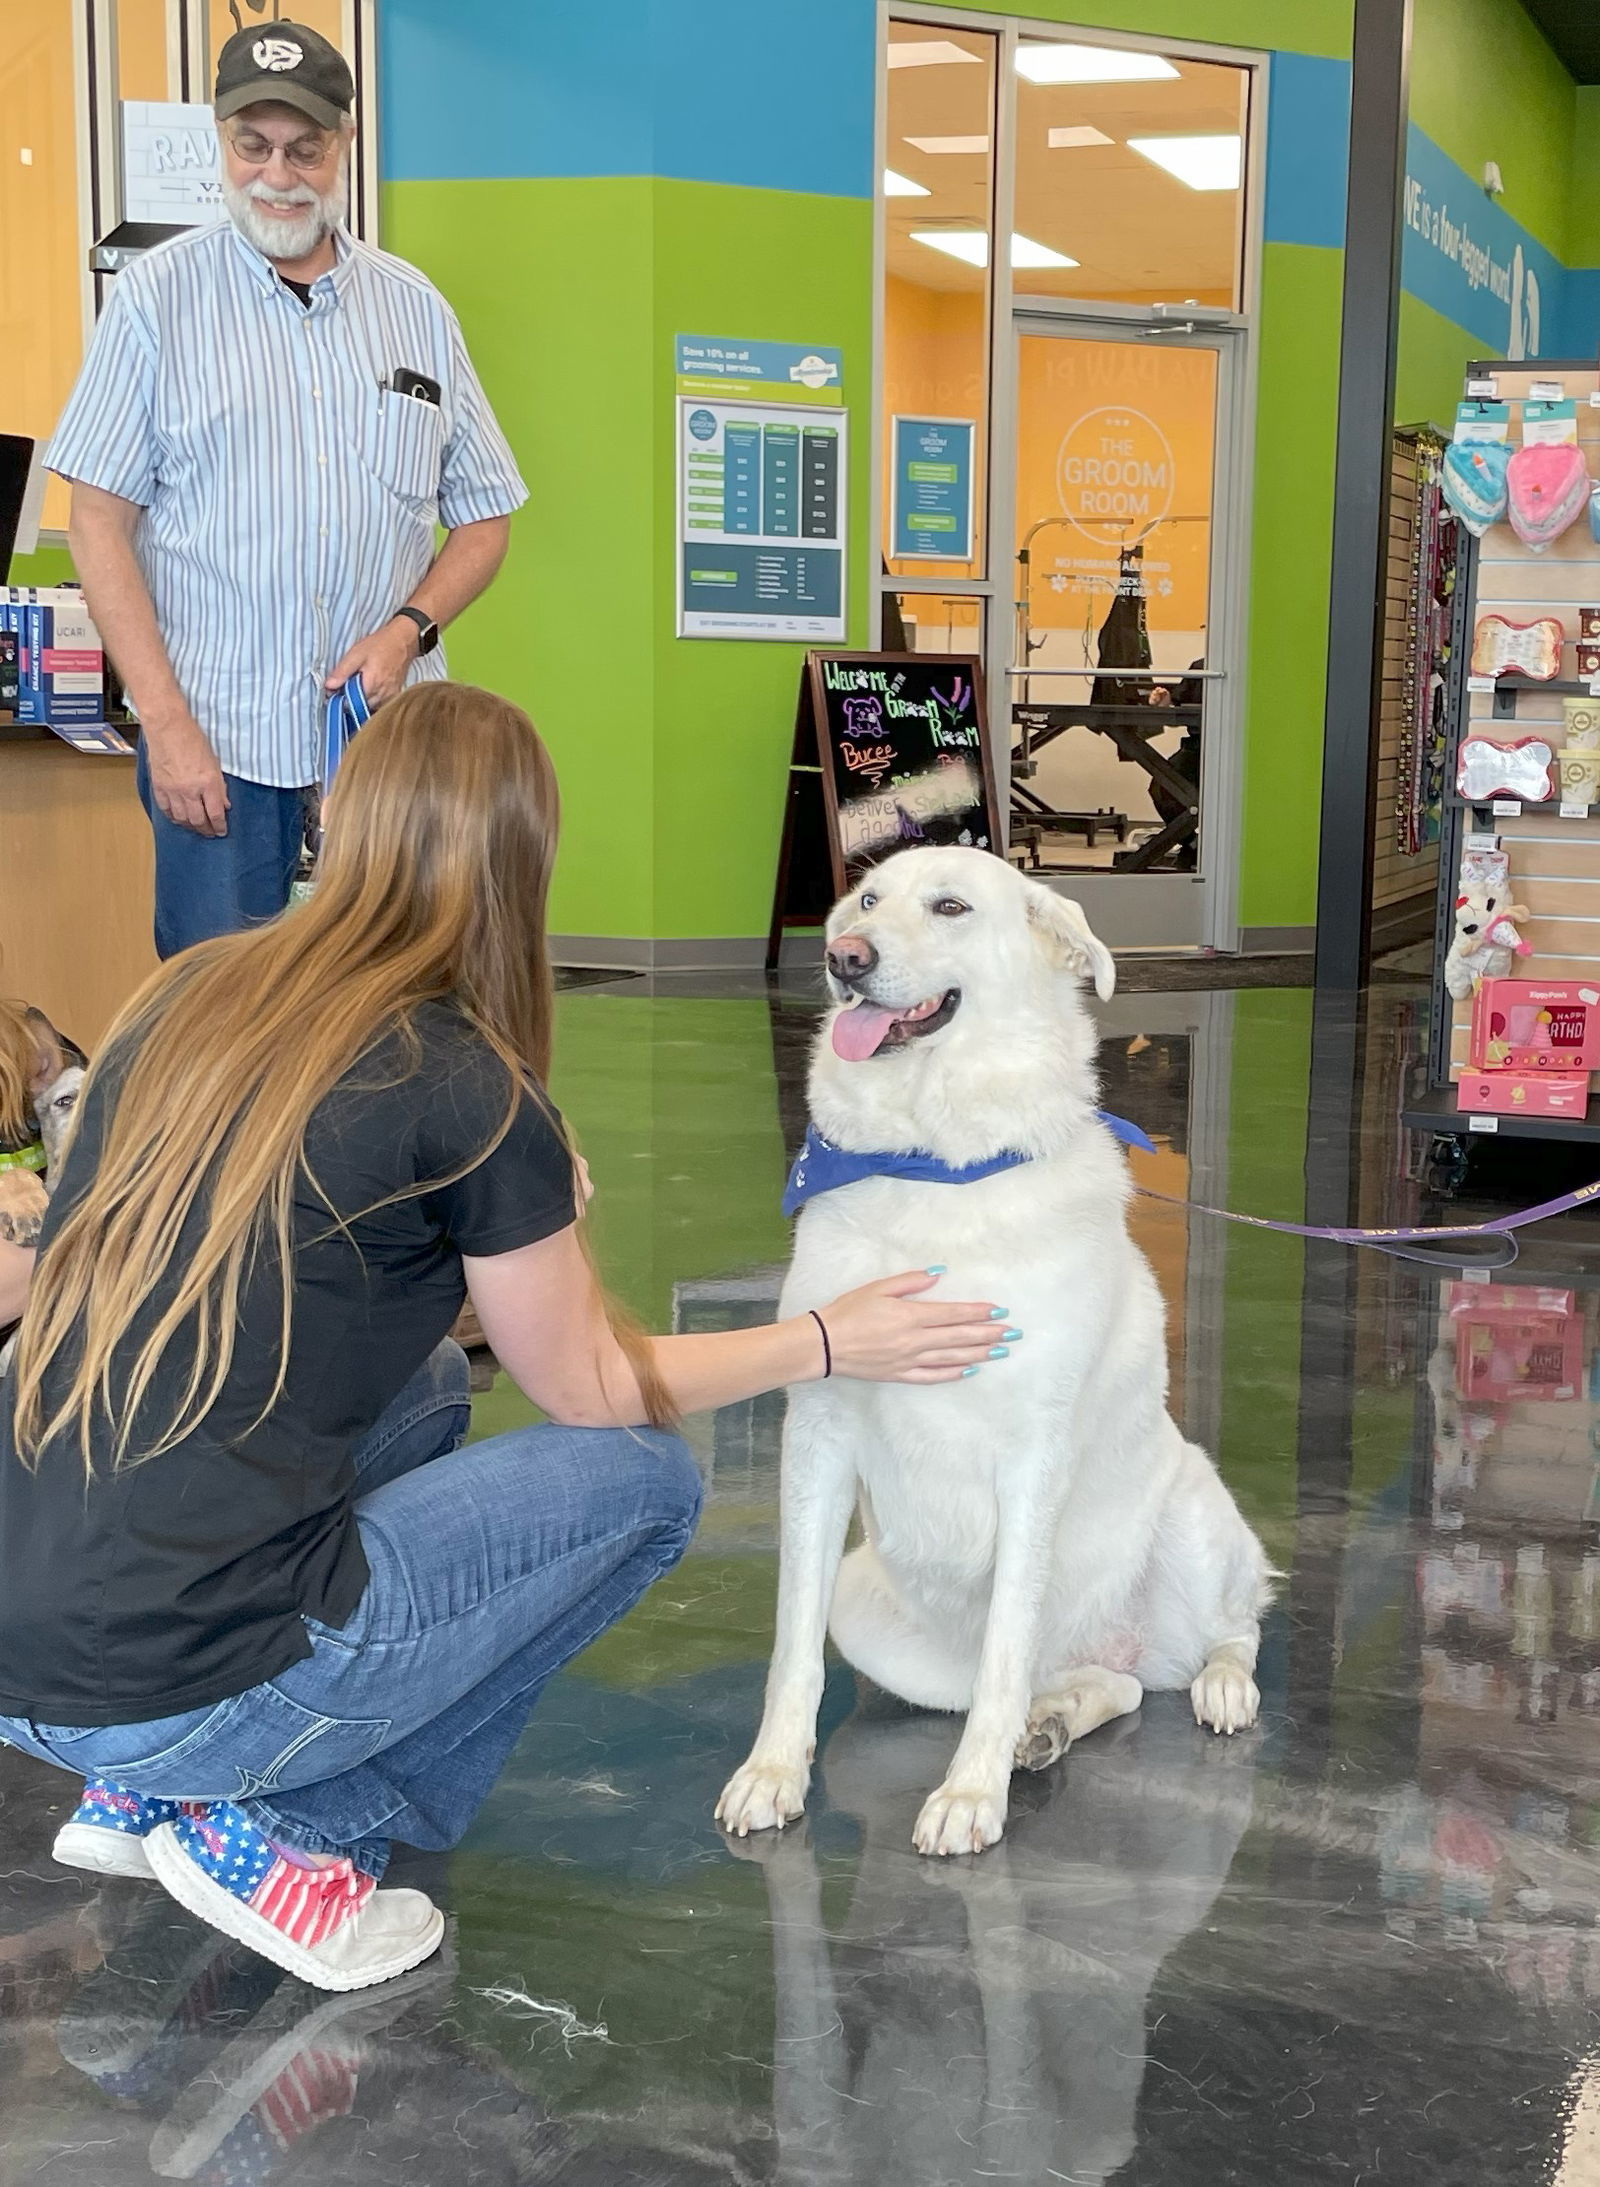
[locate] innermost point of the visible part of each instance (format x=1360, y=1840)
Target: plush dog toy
x=1486, y=940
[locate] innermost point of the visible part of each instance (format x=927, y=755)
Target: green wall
x=1485, y=85
x=672, y=757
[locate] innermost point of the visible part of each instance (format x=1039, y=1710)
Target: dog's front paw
x=1225, y=1697
x=762, y=1796
x=959, y=1819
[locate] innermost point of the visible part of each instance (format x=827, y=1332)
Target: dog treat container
x=1580, y=776
x=1589, y=622
x=1589, y=656
x=1581, y=722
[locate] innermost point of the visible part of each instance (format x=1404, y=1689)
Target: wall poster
x=763, y=491
x=931, y=517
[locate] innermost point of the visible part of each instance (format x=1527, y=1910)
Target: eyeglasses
x=304, y=153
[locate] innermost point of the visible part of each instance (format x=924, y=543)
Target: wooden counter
x=76, y=882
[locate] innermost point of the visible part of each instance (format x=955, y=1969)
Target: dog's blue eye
x=867, y=902
x=951, y=907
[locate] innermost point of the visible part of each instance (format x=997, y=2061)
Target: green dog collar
x=25, y=1157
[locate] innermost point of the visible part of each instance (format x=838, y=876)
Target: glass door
x=1122, y=668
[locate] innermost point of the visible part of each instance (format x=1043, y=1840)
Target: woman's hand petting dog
x=882, y=1333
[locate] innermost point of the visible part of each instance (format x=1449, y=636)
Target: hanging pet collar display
x=1474, y=482
x=1547, y=488
x=1523, y=768
x=1503, y=648
x=1423, y=693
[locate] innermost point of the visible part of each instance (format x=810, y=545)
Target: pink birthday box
x=1535, y=1025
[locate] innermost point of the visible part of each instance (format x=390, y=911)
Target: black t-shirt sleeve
x=522, y=1191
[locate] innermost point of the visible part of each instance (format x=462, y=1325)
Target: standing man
x=270, y=422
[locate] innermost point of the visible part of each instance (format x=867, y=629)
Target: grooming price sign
x=763, y=491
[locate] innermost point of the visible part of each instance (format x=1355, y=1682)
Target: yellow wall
x=1072, y=395
x=41, y=250
x=1113, y=435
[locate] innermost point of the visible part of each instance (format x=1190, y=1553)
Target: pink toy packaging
x=1524, y=1093
x=1535, y=1025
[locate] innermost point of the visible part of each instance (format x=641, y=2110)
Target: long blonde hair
x=435, y=868
x=18, y=1063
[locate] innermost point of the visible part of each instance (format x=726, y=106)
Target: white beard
x=284, y=241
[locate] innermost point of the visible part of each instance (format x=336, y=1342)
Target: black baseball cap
x=289, y=65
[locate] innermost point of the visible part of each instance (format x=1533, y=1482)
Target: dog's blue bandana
x=820, y=1166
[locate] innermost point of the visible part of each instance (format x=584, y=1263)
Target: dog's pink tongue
x=858, y=1033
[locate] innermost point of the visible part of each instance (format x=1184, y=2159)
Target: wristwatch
x=427, y=628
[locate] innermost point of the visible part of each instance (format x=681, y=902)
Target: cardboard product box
x=1530, y=1355
x=1524, y=1093
x=8, y=675
x=1535, y=1025
x=1478, y=1301
x=62, y=663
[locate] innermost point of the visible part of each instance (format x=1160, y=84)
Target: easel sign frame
x=814, y=867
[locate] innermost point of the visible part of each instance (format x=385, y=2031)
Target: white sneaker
x=331, y=1925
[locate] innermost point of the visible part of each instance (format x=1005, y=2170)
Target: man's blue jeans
x=215, y=884
x=491, y=1567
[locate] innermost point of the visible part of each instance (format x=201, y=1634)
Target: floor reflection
x=1358, y=1944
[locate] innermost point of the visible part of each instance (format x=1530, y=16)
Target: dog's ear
x=1069, y=939
x=50, y=1057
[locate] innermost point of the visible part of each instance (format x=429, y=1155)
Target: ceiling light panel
x=971, y=246
x=927, y=53
x=1069, y=140
x=902, y=185
x=940, y=146
x=1065, y=64
x=1026, y=252
x=1203, y=163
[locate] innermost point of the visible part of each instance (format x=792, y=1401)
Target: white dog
x=1041, y=1544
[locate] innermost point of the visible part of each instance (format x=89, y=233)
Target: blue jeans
x=215, y=884
x=490, y=1568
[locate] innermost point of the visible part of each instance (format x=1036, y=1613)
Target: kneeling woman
x=251, y=1589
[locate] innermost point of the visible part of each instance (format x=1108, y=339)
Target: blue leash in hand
x=347, y=712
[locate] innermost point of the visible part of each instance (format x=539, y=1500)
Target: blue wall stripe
x=1308, y=144
x=708, y=94
x=629, y=87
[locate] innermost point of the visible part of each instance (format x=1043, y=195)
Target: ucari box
x=61, y=664
x=1524, y=1093
x=1535, y=1025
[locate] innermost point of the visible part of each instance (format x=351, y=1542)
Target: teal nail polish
x=966, y=1371
x=998, y=1351
x=999, y=1313
x=938, y=1269
x=1013, y=1336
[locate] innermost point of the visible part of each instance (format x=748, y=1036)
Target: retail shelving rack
x=1555, y=862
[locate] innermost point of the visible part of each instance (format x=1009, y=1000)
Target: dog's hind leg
x=1079, y=1703
x=873, y=1629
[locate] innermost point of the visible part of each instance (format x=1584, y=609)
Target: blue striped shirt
x=289, y=500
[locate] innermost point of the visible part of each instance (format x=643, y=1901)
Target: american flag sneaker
x=107, y=1830
x=329, y=1925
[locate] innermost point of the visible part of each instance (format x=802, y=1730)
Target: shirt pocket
x=403, y=444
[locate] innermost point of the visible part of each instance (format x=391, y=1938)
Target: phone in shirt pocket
x=404, y=444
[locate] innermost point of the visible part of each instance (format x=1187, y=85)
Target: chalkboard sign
x=890, y=749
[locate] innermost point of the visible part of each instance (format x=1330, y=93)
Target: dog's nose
x=851, y=957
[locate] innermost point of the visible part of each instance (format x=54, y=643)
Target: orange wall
x=1110, y=433
x=1113, y=434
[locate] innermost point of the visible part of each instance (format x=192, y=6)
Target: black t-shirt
x=182, y=1579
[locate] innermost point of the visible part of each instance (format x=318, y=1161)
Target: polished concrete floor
x=1357, y=1945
